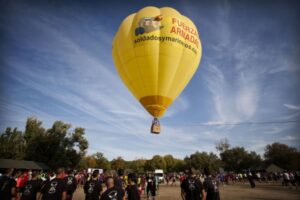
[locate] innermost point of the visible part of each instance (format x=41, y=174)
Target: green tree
x=170, y=162
x=137, y=165
x=118, y=163
x=78, y=140
x=157, y=162
x=254, y=160
x=36, y=140
x=101, y=161
x=12, y=144
x=148, y=166
x=283, y=156
x=201, y=160
x=179, y=166
x=57, y=146
x=238, y=159
x=222, y=145
x=87, y=162
x=33, y=129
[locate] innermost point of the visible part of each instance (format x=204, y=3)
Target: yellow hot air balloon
x=156, y=52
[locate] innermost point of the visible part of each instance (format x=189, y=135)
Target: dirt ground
x=229, y=192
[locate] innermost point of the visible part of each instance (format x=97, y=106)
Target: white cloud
x=292, y=116
x=247, y=96
x=231, y=104
x=285, y=63
x=292, y=107
x=211, y=123
x=275, y=130
x=290, y=137
x=180, y=104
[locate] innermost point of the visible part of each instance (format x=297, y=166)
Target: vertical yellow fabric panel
x=147, y=54
x=156, y=52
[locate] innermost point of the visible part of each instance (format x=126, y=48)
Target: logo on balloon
x=149, y=24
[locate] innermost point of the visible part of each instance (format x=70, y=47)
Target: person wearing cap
x=192, y=188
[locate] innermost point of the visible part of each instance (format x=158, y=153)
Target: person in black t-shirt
x=211, y=186
x=192, y=188
x=132, y=189
x=71, y=184
x=251, y=179
x=8, y=185
x=31, y=188
x=112, y=192
x=151, y=186
x=93, y=188
x=55, y=189
x=119, y=181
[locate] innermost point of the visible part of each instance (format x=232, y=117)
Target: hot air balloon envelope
x=156, y=53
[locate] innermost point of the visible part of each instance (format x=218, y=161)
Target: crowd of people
x=61, y=185
x=286, y=178
x=197, y=187
x=111, y=185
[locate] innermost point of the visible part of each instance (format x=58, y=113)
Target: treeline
x=60, y=146
x=57, y=146
x=232, y=159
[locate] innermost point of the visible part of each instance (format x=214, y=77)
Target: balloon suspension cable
x=155, y=127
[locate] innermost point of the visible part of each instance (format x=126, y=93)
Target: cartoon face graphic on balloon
x=149, y=24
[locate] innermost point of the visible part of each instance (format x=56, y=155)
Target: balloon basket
x=155, y=127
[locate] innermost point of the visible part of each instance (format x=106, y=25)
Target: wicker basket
x=155, y=127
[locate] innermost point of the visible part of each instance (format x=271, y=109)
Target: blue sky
x=56, y=64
